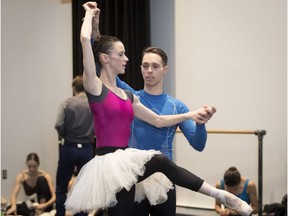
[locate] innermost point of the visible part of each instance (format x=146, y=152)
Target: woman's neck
x=32, y=174
x=108, y=79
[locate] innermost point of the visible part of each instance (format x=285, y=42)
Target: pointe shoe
x=237, y=204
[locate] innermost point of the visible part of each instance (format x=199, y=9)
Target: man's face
x=152, y=69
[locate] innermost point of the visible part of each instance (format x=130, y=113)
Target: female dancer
x=34, y=181
x=241, y=187
x=109, y=179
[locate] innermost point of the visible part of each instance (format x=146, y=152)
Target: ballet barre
x=260, y=134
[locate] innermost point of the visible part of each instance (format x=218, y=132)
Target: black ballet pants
x=158, y=163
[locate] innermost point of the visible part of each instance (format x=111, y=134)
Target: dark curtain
x=129, y=20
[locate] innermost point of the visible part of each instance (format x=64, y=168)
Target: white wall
x=36, y=57
x=230, y=54
x=237, y=61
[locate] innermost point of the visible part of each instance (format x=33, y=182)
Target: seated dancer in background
x=243, y=188
x=34, y=181
x=109, y=179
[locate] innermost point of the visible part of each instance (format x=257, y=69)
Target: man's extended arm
x=195, y=133
x=124, y=85
x=95, y=27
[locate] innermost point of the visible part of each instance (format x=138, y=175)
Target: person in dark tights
x=75, y=126
x=35, y=182
x=118, y=175
x=153, y=68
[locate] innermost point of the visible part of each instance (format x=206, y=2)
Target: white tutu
x=101, y=178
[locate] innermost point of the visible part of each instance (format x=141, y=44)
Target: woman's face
x=117, y=58
x=32, y=166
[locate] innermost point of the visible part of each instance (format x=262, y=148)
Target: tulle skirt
x=101, y=178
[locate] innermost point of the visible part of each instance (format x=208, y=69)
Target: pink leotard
x=112, y=118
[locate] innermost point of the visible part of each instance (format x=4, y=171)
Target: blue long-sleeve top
x=145, y=136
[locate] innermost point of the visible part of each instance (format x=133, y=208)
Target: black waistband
x=78, y=145
x=107, y=149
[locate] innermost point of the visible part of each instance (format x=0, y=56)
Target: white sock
x=226, y=198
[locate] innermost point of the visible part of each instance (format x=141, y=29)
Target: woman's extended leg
x=186, y=179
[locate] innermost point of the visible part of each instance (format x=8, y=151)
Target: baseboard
x=195, y=211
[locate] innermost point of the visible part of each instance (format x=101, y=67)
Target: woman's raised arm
x=92, y=83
